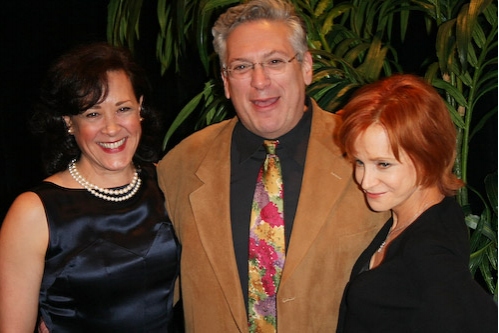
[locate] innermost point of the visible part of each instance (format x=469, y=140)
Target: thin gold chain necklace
x=414, y=218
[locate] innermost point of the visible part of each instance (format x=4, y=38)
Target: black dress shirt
x=247, y=156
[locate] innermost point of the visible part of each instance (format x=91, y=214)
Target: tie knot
x=270, y=146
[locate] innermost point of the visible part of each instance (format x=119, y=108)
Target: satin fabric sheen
x=110, y=266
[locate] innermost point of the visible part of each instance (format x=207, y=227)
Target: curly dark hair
x=77, y=81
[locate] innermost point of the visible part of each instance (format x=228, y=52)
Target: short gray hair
x=255, y=10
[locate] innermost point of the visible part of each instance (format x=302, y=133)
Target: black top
x=110, y=266
x=247, y=156
x=423, y=284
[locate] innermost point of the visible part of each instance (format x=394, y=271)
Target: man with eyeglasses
x=209, y=183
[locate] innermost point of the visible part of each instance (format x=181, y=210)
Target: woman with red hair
x=414, y=276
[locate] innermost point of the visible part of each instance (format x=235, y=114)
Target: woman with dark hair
x=91, y=248
x=414, y=276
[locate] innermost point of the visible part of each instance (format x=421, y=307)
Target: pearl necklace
x=104, y=193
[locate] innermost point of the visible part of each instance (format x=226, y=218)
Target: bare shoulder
x=27, y=204
x=23, y=245
x=26, y=223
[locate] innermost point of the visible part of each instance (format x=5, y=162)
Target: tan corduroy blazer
x=332, y=226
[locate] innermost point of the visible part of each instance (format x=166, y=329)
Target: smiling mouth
x=112, y=145
x=373, y=194
x=265, y=102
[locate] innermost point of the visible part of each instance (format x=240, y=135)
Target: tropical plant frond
x=328, y=21
x=486, y=118
x=445, y=45
x=484, y=85
x=483, y=241
x=187, y=110
x=375, y=58
x=491, y=190
x=123, y=22
x=455, y=93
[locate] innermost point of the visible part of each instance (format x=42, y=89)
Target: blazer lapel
x=211, y=210
x=326, y=175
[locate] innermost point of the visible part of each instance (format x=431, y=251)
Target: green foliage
x=483, y=241
x=214, y=109
x=123, y=22
x=466, y=48
x=352, y=44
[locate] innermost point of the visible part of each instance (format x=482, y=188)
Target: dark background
x=33, y=33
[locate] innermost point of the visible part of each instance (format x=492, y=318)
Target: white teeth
x=112, y=145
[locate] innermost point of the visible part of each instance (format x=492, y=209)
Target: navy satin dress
x=110, y=266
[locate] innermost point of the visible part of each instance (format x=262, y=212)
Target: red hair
x=416, y=120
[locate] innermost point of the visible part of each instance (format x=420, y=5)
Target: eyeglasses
x=242, y=69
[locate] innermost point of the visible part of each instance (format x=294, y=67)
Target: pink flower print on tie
x=266, y=244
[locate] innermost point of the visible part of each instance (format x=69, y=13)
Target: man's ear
x=226, y=85
x=307, y=68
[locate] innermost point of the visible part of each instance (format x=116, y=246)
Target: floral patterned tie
x=266, y=244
